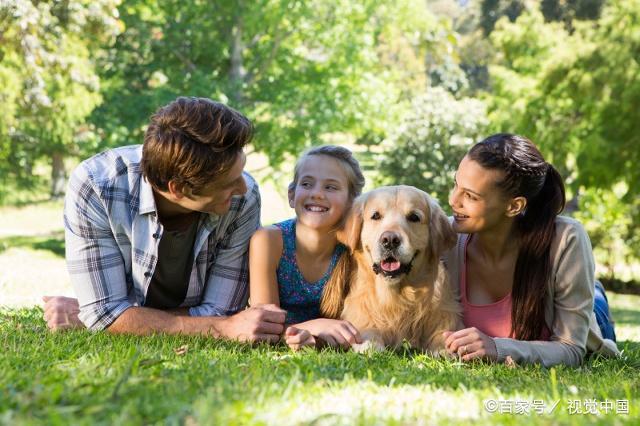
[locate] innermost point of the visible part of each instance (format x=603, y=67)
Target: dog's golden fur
x=416, y=305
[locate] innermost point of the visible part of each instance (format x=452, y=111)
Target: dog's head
x=398, y=229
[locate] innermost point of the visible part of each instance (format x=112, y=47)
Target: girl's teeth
x=316, y=209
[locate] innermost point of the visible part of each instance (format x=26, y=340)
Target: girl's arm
x=265, y=250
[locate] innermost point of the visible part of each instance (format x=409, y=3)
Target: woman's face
x=478, y=204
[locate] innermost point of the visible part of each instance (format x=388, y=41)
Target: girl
x=526, y=275
x=291, y=262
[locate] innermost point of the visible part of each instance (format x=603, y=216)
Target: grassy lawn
x=84, y=378
x=81, y=378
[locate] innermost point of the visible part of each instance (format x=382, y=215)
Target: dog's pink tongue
x=390, y=266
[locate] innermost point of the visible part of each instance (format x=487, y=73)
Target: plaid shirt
x=112, y=234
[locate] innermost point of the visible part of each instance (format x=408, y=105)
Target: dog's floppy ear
x=444, y=237
x=349, y=234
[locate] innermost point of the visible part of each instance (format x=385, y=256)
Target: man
x=157, y=235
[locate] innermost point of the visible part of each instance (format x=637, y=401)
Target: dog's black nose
x=390, y=240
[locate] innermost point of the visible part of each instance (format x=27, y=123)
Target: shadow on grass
x=53, y=242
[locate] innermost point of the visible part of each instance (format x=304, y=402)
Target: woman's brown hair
x=528, y=175
x=192, y=141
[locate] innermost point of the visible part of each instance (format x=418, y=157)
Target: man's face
x=215, y=198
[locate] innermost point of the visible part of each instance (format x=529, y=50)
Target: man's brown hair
x=192, y=141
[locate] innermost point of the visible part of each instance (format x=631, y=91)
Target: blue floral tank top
x=300, y=298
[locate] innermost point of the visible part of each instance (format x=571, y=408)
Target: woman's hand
x=297, y=338
x=470, y=343
x=336, y=333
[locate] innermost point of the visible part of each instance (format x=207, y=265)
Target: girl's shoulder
x=267, y=236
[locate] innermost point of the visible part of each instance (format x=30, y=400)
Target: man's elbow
x=100, y=317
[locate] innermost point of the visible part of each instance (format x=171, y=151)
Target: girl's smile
x=321, y=194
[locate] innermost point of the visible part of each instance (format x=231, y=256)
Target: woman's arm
x=572, y=293
x=570, y=305
x=265, y=250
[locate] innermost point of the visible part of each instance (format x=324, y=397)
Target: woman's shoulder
x=571, y=247
x=570, y=230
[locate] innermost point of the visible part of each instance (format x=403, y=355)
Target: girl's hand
x=298, y=338
x=336, y=333
x=470, y=343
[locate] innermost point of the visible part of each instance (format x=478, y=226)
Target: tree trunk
x=58, y=175
x=237, y=72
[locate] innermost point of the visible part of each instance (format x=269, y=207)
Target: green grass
x=85, y=378
x=95, y=378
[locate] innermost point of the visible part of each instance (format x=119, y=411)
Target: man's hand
x=61, y=313
x=262, y=323
x=336, y=333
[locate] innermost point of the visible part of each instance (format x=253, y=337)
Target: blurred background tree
x=48, y=82
x=410, y=84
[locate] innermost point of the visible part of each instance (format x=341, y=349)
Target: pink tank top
x=493, y=319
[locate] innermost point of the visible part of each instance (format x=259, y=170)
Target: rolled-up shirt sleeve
x=94, y=261
x=227, y=288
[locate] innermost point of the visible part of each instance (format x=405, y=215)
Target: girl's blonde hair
x=337, y=286
x=346, y=160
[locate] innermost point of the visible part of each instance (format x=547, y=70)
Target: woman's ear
x=349, y=234
x=516, y=206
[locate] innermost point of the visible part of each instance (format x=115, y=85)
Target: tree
x=576, y=95
x=425, y=149
x=302, y=71
x=49, y=84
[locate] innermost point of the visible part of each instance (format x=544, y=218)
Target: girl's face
x=478, y=204
x=321, y=195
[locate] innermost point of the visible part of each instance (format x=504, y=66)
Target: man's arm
x=256, y=324
x=264, y=323
x=94, y=261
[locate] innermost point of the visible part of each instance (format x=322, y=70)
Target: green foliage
x=96, y=378
x=568, y=10
x=302, y=71
x=48, y=80
x=493, y=10
x=576, y=95
x=425, y=149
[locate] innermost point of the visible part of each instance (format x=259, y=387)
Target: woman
x=526, y=275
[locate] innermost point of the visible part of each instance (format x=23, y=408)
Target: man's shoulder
x=113, y=175
x=111, y=164
x=252, y=185
x=250, y=200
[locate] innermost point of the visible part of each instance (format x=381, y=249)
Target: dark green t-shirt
x=170, y=280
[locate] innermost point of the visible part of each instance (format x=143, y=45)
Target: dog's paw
x=368, y=346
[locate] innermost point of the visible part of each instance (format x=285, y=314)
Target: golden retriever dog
x=398, y=288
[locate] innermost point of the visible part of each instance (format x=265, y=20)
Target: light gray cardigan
x=568, y=306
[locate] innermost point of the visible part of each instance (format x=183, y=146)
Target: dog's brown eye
x=412, y=217
x=375, y=216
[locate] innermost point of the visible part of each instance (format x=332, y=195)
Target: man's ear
x=516, y=206
x=177, y=190
x=349, y=234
